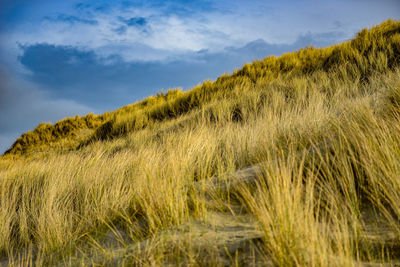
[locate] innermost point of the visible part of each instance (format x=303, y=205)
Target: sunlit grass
x=327, y=141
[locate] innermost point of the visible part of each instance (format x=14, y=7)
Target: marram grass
x=376, y=50
x=324, y=124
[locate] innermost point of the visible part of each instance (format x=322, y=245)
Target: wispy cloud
x=136, y=21
x=181, y=26
x=71, y=19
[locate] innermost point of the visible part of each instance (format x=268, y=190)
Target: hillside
x=371, y=51
x=288, y=161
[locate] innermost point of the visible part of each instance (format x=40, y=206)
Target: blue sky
x=62, y=58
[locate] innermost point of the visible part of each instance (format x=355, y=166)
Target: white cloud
x=232, y=23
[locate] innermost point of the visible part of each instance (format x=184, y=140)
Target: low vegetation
x=323, y=125
x=371, y=51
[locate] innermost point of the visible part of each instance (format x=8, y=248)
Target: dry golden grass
x=328, y=144
x=308, y=204
x=374, y=50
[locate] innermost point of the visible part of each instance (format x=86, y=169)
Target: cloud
x=109, y=81
x=136, y=21
x=71, y=19
x=206, y=25
x=120, y=30
x=194, y=25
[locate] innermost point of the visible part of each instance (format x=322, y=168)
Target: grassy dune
x=323, y=125
x=371, y=51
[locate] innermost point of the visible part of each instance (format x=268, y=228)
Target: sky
x=60, y=58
